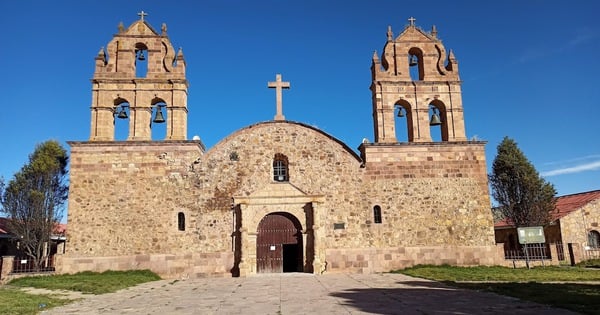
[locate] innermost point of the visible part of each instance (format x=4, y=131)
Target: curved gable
x=252, y=127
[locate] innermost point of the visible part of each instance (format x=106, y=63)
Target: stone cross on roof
x=278, y=85
x=142, y=14
x=412, y=20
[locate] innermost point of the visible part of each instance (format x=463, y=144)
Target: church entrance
x=279, y=244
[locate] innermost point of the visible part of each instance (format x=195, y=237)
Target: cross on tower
x=278, y=85
x=142, y=14
x=412, y=20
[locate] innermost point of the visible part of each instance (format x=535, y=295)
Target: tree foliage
x=525, y=198
x=33, y=199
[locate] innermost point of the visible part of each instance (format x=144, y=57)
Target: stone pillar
x=553, y=254
x=318, y=264
x=7, y=264
x=244, y=268
x=251, y=252
x=139, y=126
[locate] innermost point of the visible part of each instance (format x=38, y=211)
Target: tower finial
x=142, y=15
x=412, y=20
x=390, y=34
x=278, y=85
x=433, y=31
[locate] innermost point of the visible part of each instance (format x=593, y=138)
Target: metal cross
x=278, y=85
x=142, y=14
x=412, y=20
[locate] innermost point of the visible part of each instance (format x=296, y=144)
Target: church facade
x=276, y=196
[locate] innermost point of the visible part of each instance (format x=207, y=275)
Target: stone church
x=279, y=195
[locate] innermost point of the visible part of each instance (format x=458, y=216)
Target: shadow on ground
x=427, y=297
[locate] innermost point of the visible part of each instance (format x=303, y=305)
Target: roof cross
x=142, y=14
x=412, y=20
x=278, y=85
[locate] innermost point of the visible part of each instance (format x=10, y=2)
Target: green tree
x=33, y=199
x=525, y=198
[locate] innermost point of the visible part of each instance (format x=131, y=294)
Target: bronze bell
x=159, y=118
x=400, y=112
x=122, y=114
x=413, y=61
x=141, y=56
x=435, y=119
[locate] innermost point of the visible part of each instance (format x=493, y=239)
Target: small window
x=181, y=221
x=280, y=168
x=594, y=239
x=377, y=214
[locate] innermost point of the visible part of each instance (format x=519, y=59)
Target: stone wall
x=369, y=260
x=126, y=196
x=576, y=225
x=190, y=265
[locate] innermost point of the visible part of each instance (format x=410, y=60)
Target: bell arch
x=438, y=119
x=159, y=119
x=121, y=119
x=141, y=60
x=404, y=124
x=415, y=64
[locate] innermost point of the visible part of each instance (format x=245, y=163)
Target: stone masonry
x=181, y=210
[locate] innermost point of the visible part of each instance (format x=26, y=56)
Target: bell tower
x=416, y=79
x=139, y=77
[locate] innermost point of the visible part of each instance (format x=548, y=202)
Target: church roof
x=564, y=206
x=341, y=143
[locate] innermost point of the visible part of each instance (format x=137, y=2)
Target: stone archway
x=279, y=244
x=298, y=213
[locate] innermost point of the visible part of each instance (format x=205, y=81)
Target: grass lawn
x=563, y=287
x=89, y=282
x=14, y=301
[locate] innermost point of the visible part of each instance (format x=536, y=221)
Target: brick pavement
x=301, y=294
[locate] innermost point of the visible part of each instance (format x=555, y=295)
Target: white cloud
x=591, y=166
x=577, y=159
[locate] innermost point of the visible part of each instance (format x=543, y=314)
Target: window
x=280, y=168
x=594, y=239
x=181, y=221
x=377, y=214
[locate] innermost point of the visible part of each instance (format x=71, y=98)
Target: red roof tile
x=564, y=205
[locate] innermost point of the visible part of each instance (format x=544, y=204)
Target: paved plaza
x=301, y=294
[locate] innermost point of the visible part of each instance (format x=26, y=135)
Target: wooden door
x=274, y=231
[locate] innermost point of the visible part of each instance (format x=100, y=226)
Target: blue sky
x=530, y=70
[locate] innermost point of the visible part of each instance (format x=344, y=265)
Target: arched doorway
x=279, y=244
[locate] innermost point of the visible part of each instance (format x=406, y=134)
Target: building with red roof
x=575, y=221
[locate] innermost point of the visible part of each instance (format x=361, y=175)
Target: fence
x=591, y=253
x=26, y=264
x=528, y=251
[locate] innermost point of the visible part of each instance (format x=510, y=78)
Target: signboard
x=531, y=235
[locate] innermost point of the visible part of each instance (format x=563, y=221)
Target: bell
x=159, y=118
x=413, y=61
x=400, y=112
x=435, y=119
x=122, y=114
x=141, y=56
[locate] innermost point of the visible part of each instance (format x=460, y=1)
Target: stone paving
x=301, y=294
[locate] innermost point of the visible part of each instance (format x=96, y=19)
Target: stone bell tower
x=139, y=77
x=428, y=95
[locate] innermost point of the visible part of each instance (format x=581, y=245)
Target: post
x=526, y=256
